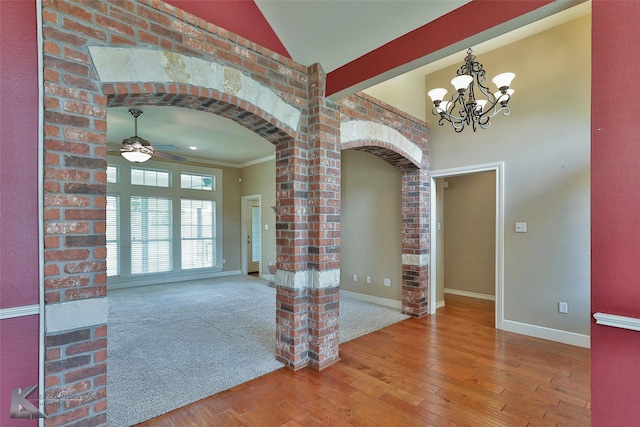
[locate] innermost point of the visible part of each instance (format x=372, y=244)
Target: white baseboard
x=158, y=280
x=439, y=304
x=387, y=302
x=469, y=294
x=550, y=334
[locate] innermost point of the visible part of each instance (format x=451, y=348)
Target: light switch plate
x=521, y=227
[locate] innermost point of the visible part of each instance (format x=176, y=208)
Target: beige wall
x=469, y=233
x=371, y=224
x=231, y=217
x=438, y=234
x=545, y=146
x=261, y=179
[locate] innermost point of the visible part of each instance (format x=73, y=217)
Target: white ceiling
x=315, y=31
x=311, y=31
x=214, y=137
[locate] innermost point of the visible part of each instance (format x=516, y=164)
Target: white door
x=253, y=240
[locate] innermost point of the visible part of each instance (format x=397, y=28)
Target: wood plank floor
x=451, y=369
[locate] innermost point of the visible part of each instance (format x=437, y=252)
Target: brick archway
x=194, y=64
x=402, y=141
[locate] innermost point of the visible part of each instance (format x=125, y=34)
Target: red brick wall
x=76, y=379
x=415, y=188
x=307, y=177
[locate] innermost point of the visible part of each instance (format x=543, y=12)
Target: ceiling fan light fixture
x=134, y=148
x=136, y=156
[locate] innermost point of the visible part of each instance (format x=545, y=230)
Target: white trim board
x=21, y=311
x=387, y=302
x=545, y=333
x=616, y=321
x=469, y=294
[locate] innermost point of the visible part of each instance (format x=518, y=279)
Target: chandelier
x=463, y=108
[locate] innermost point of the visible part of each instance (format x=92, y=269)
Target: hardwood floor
x=451, y=369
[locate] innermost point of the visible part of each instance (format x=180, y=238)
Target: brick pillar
x=415, y=242
x=324, y=224
x=76, y=377
x=291, y=248
x=75, y=278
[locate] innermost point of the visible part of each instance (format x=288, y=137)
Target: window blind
x=197, y=233
x=113, y=264
x=150, y=234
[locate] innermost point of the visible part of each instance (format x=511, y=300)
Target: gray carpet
x=173, y=344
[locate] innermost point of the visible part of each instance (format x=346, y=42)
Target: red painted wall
x=19, y=363
x=18, y=199
x=19, y=155
x=421, y=41
x=615, y=211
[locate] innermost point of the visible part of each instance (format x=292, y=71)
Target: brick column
x=415, y=242
x=291, y=248
x=75, y=184
x=324, y=224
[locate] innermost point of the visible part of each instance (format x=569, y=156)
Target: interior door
x=253, y=236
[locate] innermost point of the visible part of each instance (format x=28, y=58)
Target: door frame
x=498, y=168
x=244, y=216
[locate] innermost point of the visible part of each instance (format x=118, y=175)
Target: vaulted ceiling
x=358, y=43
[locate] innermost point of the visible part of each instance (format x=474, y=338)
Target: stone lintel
x=312, y=279
x=70, y=315
x=415, y=259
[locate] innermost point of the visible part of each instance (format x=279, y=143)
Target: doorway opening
x=438, y=260
x=251, y=234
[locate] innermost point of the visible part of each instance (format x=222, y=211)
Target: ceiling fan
x=138, y=150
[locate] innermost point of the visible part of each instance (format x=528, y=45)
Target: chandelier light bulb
x=444, y=106
x=437, y=94
x=461, y=83
x=499, y=95
x=503, y=80
x=481, y=104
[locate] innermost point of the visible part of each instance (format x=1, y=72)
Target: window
x=164, y=221
x=198, y=233
x=150, y=178
x=197, y=182
x=112, y=174
x=113, y=265
x=150, y=234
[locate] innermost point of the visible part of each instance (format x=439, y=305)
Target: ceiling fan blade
x=168, y=156
x=167, y=147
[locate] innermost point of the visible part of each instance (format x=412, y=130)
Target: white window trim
x=125, y=190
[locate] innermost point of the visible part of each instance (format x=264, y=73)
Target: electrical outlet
x=355, y=277
x=368, y=279
x=563, y=307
